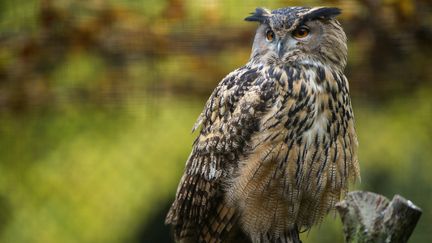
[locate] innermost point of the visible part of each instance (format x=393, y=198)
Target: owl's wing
x=230, y=117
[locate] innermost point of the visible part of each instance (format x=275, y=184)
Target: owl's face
x=299, y=35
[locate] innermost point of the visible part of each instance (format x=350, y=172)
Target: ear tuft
x=260, y=15
x=321, y=13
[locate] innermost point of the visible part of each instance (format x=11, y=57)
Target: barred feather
x=277, y=145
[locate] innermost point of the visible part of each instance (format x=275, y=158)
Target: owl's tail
x=293, y=236
x=289, y=236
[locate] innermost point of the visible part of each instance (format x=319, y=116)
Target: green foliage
x=86, y=174
x=395, y=152
x=18, y=15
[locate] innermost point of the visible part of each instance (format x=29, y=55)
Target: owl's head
x=299, y=35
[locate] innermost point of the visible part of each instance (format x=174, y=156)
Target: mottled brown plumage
x=277, y=145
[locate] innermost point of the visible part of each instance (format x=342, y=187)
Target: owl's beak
x=280, y=48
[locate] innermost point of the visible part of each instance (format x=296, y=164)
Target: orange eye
x=301, y=32
x=270, y=35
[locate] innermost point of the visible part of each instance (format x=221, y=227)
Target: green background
x=97, y=100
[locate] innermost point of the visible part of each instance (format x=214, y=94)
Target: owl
x=277, y=146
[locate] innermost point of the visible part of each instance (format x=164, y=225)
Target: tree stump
x=369, y=217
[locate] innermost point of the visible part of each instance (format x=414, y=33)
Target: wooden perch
x=369, y=217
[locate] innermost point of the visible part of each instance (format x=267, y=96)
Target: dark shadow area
x=153, y=228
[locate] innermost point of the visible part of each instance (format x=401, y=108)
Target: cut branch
x=369, y=217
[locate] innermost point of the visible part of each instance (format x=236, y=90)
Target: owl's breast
x=296, y=166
